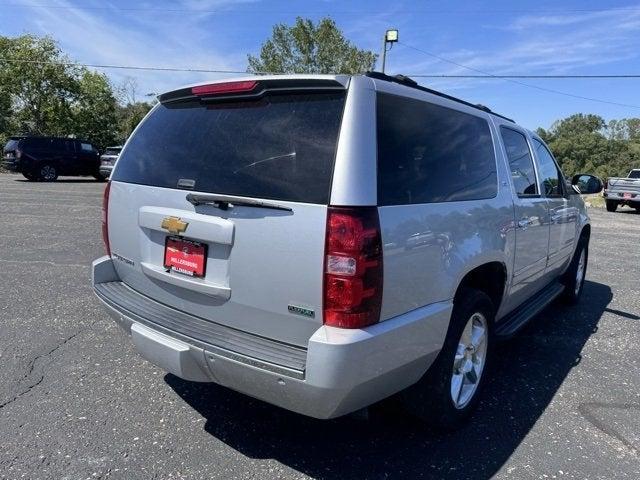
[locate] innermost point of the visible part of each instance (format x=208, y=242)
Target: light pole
x=390, y=36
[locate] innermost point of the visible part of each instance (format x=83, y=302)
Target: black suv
x=44, y=158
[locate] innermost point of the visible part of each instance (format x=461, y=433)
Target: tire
x=99, y=177
x=576, y=273
x=28, y=176
x=611, y=205
x=47, y=173
x=432, y=398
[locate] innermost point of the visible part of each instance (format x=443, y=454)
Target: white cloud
x=97, y=37
x=557, y=44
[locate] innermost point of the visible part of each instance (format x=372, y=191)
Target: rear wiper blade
x=224, y=202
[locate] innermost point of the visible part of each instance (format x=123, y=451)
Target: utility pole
x=390, y=36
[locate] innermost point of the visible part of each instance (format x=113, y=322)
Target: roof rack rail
x=409, y=82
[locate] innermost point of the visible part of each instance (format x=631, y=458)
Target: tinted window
x=280, y=147
x=12, y=144
x=634, y=174
x=520, y=162
x=550, y=176
x=428, y=153
x=39, y=143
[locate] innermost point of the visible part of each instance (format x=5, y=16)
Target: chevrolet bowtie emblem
x=174, y=224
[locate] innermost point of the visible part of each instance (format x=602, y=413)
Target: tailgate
x=254, y=261
x=260, y=263
x=624, y=185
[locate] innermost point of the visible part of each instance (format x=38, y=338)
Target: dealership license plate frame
x=200, y=255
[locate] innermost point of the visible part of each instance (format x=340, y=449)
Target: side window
x=58, y=145
x=520, y=162
x=428, y=153
x=70, y=146
x=39, y=143
x=550, y=176
x=86, y=147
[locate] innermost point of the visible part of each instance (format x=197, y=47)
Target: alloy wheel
x=469, y=360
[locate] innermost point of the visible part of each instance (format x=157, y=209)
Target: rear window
x=428, y=153
x=280, y=147
x=112, y=151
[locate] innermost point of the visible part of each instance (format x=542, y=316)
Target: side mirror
x=586, y=184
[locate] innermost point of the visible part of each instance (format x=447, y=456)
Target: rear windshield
x=12, y=144
x=280, y=147
x=112, y=151
x=634, y=174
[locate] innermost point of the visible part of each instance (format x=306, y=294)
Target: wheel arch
x=490, y=278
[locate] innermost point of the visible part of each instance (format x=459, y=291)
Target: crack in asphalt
x=32, y=365
x=588, y=412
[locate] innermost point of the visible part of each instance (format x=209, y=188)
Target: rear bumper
x=619, y=196
x=339, y=372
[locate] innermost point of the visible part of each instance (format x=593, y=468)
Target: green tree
x=94, y=110
x=39, y=94
x=306, y=47
x=587, y=144
x=129, y=116
x=43, y=94
x=130, y=110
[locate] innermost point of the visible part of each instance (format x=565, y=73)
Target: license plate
x=185, y=256
x=627, y=195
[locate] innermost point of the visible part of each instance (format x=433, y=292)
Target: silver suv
x=325, y=242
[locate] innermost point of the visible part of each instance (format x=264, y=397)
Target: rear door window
x=280, y=147
x=428, y=153
x=520, y=160
x=59, y=145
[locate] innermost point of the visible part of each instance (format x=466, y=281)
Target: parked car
x=45, y=158
x=108, y=160
x=623, y=191
x=251, y=230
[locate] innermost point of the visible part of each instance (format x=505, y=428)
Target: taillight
x=353, y=267
x=105, y=218
x=222, y=88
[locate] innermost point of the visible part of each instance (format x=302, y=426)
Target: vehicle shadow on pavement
x=60, y=180
x=528, y=371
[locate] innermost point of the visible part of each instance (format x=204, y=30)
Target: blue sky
x=500, y=37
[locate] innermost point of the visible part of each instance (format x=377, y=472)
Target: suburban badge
x=174, y=224
x=306, y=312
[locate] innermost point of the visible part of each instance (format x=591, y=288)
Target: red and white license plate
x=627, y=195
x=185, y=256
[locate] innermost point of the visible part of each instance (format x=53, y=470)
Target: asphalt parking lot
x=77, y=402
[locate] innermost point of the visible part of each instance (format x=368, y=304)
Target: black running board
x=517, y=319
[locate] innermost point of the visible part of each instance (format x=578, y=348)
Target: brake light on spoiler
x=224, y=88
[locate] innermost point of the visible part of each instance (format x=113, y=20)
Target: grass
x=596, y=201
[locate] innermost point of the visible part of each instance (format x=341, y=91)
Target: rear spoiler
x=248, y=89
